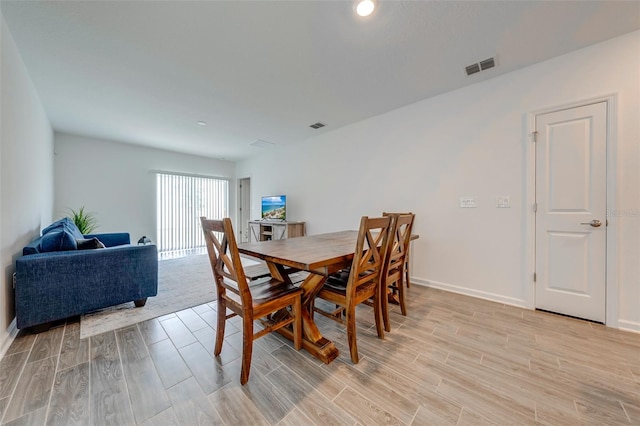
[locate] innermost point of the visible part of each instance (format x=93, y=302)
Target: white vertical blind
x=182, y=199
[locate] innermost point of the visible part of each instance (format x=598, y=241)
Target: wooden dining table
x=321, y=255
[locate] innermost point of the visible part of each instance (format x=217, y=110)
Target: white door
x=571, y=231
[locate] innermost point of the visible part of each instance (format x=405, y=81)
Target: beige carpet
x=182, y=283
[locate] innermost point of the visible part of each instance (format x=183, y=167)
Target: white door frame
x=239, y=215
x=612, y=290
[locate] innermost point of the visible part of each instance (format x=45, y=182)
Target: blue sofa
x=64, y=273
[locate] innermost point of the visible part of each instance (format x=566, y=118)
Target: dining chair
x=395, y=263
x=361, y=281
x=274, y=303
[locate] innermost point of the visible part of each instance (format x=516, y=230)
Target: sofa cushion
x=89, y=244
x=112, y=238
x=58, y=240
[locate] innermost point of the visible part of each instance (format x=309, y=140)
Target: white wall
x=117, y=182
x=26, y=172
x=472, y=141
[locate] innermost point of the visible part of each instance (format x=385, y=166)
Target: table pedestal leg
x=323, y=349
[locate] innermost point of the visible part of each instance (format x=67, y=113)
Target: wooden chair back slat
x=370, y=252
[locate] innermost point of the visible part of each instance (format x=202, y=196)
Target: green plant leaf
x=85, y=221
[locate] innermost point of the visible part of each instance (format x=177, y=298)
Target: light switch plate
x=468, y=203
x=503, y=202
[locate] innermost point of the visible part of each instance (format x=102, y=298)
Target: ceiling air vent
x=317, y=125
x=472, y=69
x=487, y=63
x=480, y=66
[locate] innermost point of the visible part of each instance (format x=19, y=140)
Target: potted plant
x=85, y=221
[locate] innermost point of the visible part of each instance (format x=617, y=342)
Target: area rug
x=182, y=283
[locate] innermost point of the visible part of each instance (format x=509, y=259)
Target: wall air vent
x=480, y=66
x=317, y=125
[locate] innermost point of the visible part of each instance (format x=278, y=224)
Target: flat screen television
x=274, y=207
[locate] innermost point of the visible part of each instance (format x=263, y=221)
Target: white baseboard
x=629, y=326
x=471, y=292
x=632, y=326
x=12, y=332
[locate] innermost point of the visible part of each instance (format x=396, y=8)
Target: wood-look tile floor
x=454, y=360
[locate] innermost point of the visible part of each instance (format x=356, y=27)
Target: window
x=182, y=199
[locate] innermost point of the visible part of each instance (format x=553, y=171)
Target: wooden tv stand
x=265, y=230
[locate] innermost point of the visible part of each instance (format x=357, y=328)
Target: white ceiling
x=146, y=72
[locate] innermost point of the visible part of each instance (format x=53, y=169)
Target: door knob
x=595, y=223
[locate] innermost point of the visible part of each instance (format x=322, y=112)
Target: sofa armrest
x=112, y=239
x=56, y=285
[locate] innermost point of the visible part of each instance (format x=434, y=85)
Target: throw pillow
x=89, y=244
x=65, y=224
x=58, y=240
x=58, y=224
x=73, y=229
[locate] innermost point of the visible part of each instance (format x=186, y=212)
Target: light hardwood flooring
x=454, y=360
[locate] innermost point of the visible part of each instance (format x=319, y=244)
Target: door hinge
x=534, y=136
x=534, y=277
x=535, y=207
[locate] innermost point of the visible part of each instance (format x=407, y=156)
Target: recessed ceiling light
x=202, y=123
x=365, y=7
